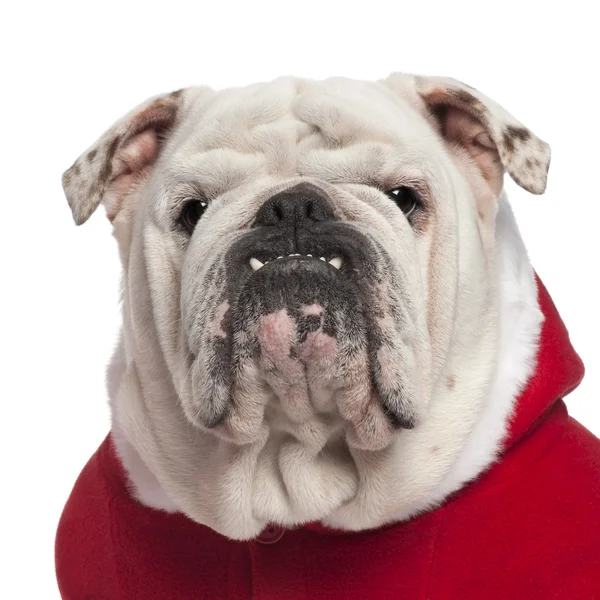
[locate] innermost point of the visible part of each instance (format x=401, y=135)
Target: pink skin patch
x=317, y=346
x=216, y=325
x=276, y=334
x=312, y=309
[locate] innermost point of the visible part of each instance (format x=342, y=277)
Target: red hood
x=558, y=372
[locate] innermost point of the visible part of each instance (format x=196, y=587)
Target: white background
x=71, y=69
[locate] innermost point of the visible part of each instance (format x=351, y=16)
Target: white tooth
x=255, y=264
x=279, y=257
x=336, y=262
x=309, y=255
x=323, y=259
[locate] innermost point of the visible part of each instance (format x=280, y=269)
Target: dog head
x=310, y=267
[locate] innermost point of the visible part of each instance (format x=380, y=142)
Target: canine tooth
x=323, y=259
x=336, y=262
x=255, y=264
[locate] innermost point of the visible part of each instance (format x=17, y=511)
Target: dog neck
x=520, y=321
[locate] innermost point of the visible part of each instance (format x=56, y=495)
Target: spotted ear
x=109, y=169
x=493, y=137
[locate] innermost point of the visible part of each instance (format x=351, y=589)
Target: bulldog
x=338, y=375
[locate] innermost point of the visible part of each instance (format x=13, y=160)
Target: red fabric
x=528, y=528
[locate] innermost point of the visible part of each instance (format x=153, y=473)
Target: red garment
x=528, y=528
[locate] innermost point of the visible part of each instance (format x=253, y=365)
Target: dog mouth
x=267, y=281
x=335, y=261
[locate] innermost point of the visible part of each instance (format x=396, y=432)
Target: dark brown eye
x=405, y=198
x=191, y=213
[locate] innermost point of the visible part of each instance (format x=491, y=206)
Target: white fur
x=144, y=485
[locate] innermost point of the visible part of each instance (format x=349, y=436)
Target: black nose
x=298, y=206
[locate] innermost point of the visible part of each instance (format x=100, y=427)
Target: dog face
x=315, y=259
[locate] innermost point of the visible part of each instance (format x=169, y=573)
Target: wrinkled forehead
x=338, y=129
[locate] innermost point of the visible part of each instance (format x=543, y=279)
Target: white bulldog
x=328, y=310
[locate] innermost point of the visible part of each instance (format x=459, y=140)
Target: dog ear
x=494, y=139
x=109, y=169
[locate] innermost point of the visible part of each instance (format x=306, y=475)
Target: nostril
x=315, y=212
x=270, y=214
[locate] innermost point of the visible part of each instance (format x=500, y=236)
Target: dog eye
x=405, y=198
x=191, y=213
